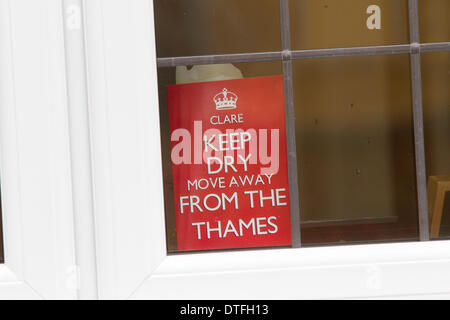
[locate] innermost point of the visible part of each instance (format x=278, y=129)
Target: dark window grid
x=419, y=140
x=286, y=55
x=304, y=54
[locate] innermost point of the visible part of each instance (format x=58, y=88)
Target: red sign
x=229, y=164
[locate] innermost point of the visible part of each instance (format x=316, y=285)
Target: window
x=354, y=73
x=355, y=150
x=131, y=242
x=36, y=221
x=347, y=23
x=220, y=26
x=436, y=102
x=84, y=144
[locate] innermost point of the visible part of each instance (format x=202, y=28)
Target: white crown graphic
x=225, y=100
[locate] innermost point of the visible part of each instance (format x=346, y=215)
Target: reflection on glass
x=168, y=76
x=355, y=149
x=199, y=27
x=436, y=105
x=340, y=23
x=434, y=17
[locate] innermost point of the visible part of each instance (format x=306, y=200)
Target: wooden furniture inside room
x=438, y=186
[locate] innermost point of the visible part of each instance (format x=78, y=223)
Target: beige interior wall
x=199, y=27
x=354, y=130
x=436, y=100
x=434, y=27
x=434, y=18
x=319, y=24
x=354, y=137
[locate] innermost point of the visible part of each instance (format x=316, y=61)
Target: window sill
x=362, y=271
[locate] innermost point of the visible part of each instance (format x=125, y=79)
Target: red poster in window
x=229, y=164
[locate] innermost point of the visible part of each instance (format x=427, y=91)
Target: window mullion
x=301, y=54
x=290, y=124
x=419, y=140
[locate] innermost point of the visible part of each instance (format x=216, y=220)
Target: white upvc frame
x=128, y=197
x=35, y=157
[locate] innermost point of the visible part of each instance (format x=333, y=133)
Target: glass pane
x=199, y=27
x=319, y=24
x=436, y=104
x=434, y=17
x=355, y=149
x=195, y=74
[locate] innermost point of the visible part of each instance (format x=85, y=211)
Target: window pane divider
x=419, y=140
x=302, y=54
x=290, y=125
x=219, y=58
x=435, y=47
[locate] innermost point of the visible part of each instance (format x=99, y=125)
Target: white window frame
x=35, y=157
x=128, y=196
